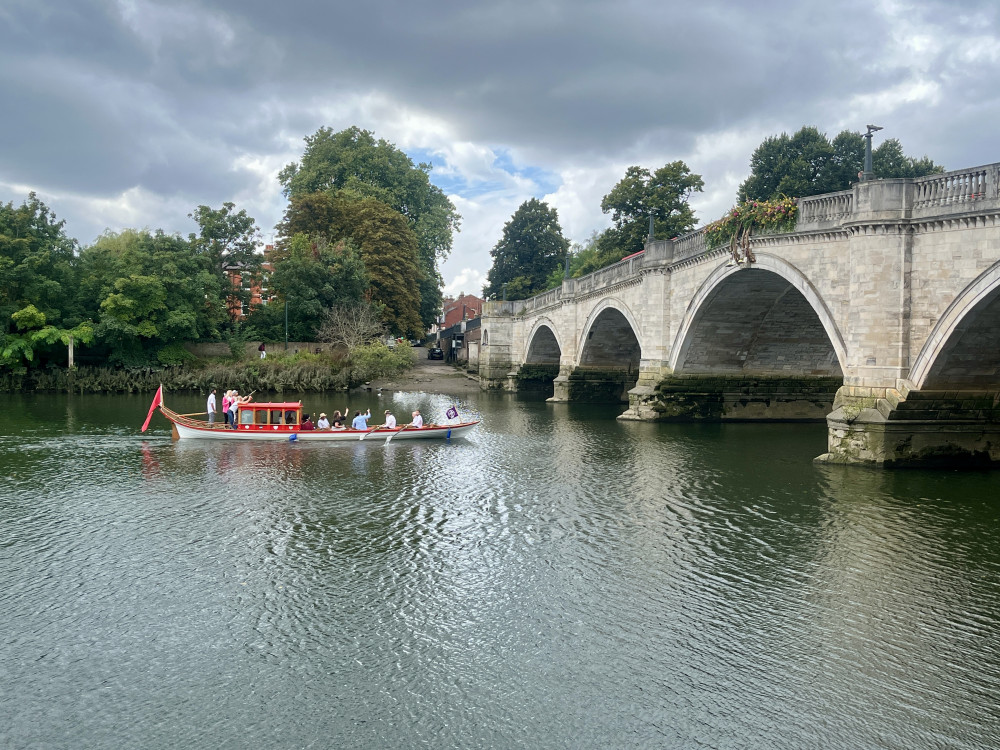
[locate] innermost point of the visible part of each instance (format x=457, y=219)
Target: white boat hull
x=247, y=432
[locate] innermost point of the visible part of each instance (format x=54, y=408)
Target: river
x=556, y=580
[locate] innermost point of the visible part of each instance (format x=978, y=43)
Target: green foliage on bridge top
x=752, y=217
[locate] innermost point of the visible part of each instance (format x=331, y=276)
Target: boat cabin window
x=276, y=417
x=246, y=416
x=290, y=417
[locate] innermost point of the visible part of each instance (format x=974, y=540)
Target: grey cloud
x=101, y=108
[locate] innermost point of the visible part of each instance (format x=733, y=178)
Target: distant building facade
x=464, y=307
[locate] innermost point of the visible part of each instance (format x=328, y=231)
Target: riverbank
x=430, y=376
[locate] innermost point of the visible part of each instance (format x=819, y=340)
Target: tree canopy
x=229, y=239
x=386, y=243
x=807, y=163
x=314, y=275
x=663, y=193
x=149, y=289
x=353, y=163
x=532, y=246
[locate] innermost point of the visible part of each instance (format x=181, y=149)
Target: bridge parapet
x=828, y=211
x=959, y=191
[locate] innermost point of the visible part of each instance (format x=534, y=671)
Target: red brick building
x=466, y=307
x=255, y=284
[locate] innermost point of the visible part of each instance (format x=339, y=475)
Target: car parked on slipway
x=435, y=352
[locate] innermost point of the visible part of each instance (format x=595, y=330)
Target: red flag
x=157, y=400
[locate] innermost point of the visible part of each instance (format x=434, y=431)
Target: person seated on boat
x=390, y=421
x=322, y=423
x=307, y=423
x=289, y=417
x=418, y=421
x=361, y=420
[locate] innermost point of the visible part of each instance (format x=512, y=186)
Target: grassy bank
x=300, y=372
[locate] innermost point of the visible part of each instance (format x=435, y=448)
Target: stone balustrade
x=818, y=212
x=954, y=192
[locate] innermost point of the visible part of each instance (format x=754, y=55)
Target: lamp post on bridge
x=868, y=174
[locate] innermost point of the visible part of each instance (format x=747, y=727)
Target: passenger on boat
x=418, y=421
x=226, y=400
x=307, y=423
x=361, y=420
x=322, y=423
x=289, y=417
x=338, y=424
x=210, y=406
x=390, y=420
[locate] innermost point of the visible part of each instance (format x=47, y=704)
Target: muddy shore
x=430, y=376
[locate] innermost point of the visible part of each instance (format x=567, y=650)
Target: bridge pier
x=906, y=428
x=593, y=385
x=734, y=398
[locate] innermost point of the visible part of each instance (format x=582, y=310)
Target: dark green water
x=556, y=580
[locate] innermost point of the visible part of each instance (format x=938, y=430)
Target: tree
x=314, y=275
x=37, y=264
x=532, y=246
x=807, y=163
x=352, y=162
x=664, y=193
x=34, y=332
x=150, y=290
x=351, y=325
x=387, y=245
x=229, y=240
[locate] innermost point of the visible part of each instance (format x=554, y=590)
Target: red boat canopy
x=265, y=406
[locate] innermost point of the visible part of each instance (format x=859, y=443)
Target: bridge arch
x=963, y=350
x=543, y=345
x=773, y=319
x=609, y=337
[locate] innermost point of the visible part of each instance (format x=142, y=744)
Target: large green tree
x=531, y=247
x=149, y=290
x=312, y=276
x=229, y=239
x=37, y=264
x=354, y=163
x=807, y=163
x=663, y=193
x=385, y=240
x=39, y=278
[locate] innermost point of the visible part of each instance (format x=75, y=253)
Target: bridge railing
x=955, y=189
x=506, y=307
x=689, y=245
x=824, y=211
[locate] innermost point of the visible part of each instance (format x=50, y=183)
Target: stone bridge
x=878, y=313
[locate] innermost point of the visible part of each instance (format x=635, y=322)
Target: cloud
x=132, y=112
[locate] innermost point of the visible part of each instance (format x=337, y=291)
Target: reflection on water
x=556, y=579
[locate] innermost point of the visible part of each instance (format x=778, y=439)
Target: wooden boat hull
x=186, y=428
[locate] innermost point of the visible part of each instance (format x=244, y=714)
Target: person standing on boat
x=361, y=420
x=322, y=423
x=227, y=398
x=390, y=420
x=210, y=407
x=418, y=421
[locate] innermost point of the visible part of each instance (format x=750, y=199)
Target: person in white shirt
x=418, y=421
x=390, y=421
x=210, y=407
x=323, y=423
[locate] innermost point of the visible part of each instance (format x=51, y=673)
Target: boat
x=282, y=421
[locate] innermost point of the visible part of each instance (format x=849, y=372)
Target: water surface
x=555, y=580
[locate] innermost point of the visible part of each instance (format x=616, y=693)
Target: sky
x=131, y=113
